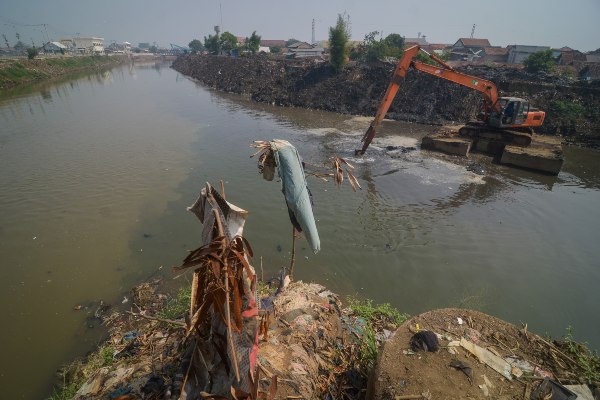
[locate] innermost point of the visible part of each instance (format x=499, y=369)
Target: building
x=568, y=56
x=495, y=54
x=421, y=41
x=303, y=49
x=518, y=53
x=54, y=47
x=469, y=49
x=89, y=45
x=273, y=43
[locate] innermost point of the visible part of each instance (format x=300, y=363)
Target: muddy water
x=96, y=174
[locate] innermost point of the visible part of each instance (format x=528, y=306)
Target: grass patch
x=588, y=361
x=372, y=319
x=76, y=62
x=17, y=73
x=376, y=314
x=77, y=373
x=178, y=305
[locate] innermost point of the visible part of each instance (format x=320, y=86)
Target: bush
x=32, y=52
x=541, y=61
x=567, y=110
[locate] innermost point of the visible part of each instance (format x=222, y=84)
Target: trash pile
x=469, y=354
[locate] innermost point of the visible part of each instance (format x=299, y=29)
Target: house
x=421, y=41
x=303, y=49
x=89, y=45
x=68, y=43
x=54, y=47
x=518, y=53
x=273, y=43
x=495, y=54
x=568, y=56
x=469, y=49
x=590, y=72
x=437, y=48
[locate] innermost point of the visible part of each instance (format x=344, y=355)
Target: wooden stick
x=227, y=309
x=293, y=262
x=230, y=336
x=168, y=321
x=262, y=274
x=222, y=190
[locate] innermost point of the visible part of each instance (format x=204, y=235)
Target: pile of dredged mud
x=358, y=89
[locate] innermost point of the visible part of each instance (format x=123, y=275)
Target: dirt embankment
x=17, y=72
x=571, y=107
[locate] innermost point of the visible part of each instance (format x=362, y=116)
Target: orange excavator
x=505, y=115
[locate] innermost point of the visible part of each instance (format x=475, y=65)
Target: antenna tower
x=313, y=31
x=473, y=31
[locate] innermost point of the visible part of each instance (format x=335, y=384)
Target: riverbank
x=17, y=72
x=313, y=347
x=571, y=107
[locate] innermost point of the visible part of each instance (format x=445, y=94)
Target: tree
x=196, y=46
x=275, y=49
x=253, y=43
x=153, y=49
x=373, y=49
x=32, y=52
x=395, y=44
x=291, y=42
x=228, y=42
x=338, y=44
x=19, y=45
x=212, y=44
x=541, y=61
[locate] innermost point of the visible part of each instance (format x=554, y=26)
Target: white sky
x=554, y=23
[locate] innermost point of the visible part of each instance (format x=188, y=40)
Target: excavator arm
x=444, y=71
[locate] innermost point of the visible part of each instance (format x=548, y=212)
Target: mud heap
x=422, y=98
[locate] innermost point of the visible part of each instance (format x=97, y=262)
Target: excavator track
x=493, y=140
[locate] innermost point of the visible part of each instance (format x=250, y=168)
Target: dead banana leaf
x=339, y=171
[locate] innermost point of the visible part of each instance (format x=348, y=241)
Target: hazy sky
x=554, y=23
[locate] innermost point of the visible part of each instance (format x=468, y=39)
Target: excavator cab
x=515, y=112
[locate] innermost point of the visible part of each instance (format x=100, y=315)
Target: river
x=96, y=173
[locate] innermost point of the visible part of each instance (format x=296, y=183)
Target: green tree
x=376, y=49
x=253, y=43
x=212, y=44
x=338, y=44
x=19, y=45
x=228, y=41
x=196, y=46
x=373, y=49
x=291, y=42
x=541, y=61
x=32, y=52
x=275, y=49
x=395, y=44
x=153, y=49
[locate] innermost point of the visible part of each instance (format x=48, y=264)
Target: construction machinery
x=504, y=120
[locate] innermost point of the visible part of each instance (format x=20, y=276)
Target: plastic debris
x=489, y=358
x=464, y=367
x=424, y=341
x=549, y=389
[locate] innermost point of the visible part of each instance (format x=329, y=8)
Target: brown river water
x=96, y=173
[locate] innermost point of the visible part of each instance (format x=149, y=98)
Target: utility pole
x=473, y=30
x=313, y=32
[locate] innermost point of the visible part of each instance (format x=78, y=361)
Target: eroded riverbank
x=358, y=89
